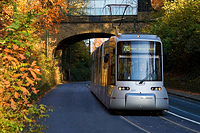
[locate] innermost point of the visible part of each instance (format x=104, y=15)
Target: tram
x=127, y=73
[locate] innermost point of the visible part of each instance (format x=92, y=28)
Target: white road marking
x=184, y=111
x=183, y=117
x=195, y=131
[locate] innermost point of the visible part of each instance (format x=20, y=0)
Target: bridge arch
x=69, y=32
x=60, y=51
x=76, y=38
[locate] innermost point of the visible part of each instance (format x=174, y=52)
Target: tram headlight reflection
x=156, y=88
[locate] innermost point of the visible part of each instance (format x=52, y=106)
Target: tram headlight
x=156, y=88
x=123, y=88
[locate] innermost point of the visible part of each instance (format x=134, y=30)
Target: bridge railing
x=101, y=11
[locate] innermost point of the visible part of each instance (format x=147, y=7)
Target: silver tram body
x=127, y=73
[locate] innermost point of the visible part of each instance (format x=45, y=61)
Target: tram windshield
x=139, y=61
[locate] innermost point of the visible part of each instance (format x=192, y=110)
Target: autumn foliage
x=97, y=42
x=17, y=79
x=157, y=4
x=23, y=67
x=48, y=12
x=178, y=26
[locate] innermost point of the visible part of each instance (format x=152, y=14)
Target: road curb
x=188, y=95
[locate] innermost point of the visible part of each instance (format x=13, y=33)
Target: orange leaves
x=34, y=90
x=157, y=4
x=23, y=69
x=17, y=75
x=13, y=104
x=20, y=83
x=10, y=58
x=33, y=74
x=30, y=81
x=21, y=50
x=7, y=50
x=97, y=42
x=33, y=63
x=1, y=90
x=22, y=56
x=53, y=13
x=24, y=90
x=16, y=95
x=25, y=75
x=13, y=63
x=15, y=47
x=37, y=71
x=7, y=84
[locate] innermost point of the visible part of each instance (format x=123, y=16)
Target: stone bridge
x=79, y=28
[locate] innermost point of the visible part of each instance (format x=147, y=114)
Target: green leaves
x=179, y=31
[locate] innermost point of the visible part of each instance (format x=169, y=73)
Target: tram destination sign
x=136, y=49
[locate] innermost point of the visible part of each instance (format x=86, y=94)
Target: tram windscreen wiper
x=147, y=77
x=144, y=78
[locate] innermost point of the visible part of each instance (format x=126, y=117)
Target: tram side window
x=99, y=66
x=104, y=69
x=96, y=68
x=113, y=68
x=92, y=74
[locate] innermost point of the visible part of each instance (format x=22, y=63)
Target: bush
x=23, y=71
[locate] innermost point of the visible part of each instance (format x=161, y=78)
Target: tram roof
x=137, y=36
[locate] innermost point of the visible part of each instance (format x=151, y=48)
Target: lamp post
x=89, y=55
x=47, y=42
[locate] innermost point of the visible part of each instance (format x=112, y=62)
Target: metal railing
x=101, y=11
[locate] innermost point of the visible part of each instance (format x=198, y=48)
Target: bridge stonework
x=71, y=29
x=77, y=25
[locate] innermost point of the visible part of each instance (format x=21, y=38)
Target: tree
x=76, y=7
x=179, y=30
x=157, y=4
x=22, y=65
x=97, y=42
x=77, y=62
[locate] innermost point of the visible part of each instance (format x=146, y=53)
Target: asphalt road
x=77, y=110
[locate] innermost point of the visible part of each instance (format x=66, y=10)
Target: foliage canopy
x=24, y=69
x=179, y=29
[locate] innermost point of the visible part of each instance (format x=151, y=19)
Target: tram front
x=139, y=75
